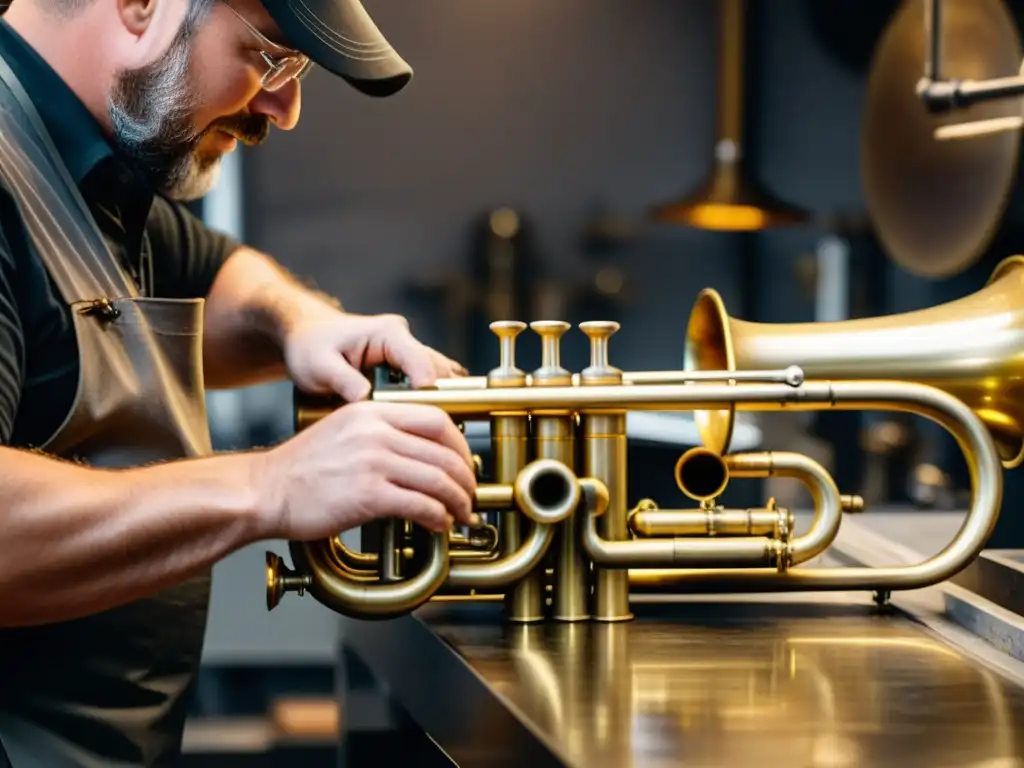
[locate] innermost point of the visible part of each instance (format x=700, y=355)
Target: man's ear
x=137, y=15
x=152, y=25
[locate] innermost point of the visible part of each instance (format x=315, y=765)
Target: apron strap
x=63, y=230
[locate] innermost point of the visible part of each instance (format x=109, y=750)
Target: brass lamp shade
x=730, y=200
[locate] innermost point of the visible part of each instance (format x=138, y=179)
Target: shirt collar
x=76, y=134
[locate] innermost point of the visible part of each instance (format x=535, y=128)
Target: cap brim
x=340, y=36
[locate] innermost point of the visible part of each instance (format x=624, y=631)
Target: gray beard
x=150, y=110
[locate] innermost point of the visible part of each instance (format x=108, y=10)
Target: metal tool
x=560, y=464
x=936, y=201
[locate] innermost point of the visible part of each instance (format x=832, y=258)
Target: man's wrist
x=280, y=303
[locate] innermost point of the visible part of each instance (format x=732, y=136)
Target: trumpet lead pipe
x=618, y=398
x=865, y=394
x=793, y=376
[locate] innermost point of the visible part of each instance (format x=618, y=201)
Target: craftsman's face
x=178, y=114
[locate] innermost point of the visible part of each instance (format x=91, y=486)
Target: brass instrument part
x=560, y=466
x=647, y=520
x=971, y=348
x=509, y=442
x=702, y=474
x=554, y=437
x=604, y=464
x=791, y=375
x=936, y=203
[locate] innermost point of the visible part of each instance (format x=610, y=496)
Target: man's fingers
x=419, y=508
x=434, y=482
x=445, y=367
x=429, y=422
x=334, y=374
x=437, y=455
x=413, y=359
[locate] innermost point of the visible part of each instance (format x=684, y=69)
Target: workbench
x=928, y=678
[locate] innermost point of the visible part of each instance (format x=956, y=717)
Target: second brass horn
x=971, y=348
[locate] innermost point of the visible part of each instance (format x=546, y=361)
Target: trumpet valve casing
x=604, y=459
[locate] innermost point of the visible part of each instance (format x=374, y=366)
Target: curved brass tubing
x=738, y=552
x=828, y=502
x=985, y=469
x=546, y=492
x=711, y=472
x=361, y=566
x=340, y=592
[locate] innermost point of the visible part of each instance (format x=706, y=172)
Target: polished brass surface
x=731, y=199
x=828, y=684
x=702, y=474
x=604, y=461
x=568, y=547
x=510, y=434
x=972, y=348
x=510, y=444
x=711, y=520
x=554, y=437
x=936, y=203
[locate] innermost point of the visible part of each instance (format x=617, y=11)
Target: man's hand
x=326, y=351
x=364, y=462
x=261, y=325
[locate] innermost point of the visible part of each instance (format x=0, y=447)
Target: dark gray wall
x=553, y=108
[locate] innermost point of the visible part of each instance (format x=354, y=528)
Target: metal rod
x=939, y=94
x=933, y=39
x=793, y=376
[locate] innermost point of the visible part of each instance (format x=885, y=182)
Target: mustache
x=248, y=129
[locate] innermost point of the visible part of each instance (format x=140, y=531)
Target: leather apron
x=109, y=689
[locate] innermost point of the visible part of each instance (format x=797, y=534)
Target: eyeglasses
x=282, y=67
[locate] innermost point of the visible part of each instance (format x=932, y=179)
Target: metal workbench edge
x=445, y=696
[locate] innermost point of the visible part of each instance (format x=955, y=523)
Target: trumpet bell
x=971, y=348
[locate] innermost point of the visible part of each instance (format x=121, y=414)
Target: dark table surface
x=735, y=683
x=776, y=680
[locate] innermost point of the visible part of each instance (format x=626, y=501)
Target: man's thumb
x=345, y=380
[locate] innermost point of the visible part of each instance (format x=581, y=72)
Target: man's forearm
x=248, y=312
x=78, y=540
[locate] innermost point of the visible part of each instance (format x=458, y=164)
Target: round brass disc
x=936, y=204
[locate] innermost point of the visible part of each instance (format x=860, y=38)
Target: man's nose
x=282, y=106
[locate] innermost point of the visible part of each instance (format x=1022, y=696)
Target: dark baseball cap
x=340, y=36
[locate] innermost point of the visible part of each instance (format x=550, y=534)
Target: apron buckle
x=102, y=308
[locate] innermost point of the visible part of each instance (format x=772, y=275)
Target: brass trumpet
x=565, y=546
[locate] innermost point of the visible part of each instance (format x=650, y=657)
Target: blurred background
x=516, y=178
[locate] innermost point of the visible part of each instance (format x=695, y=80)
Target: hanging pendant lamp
x=730, y=200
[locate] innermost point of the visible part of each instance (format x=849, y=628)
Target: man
x=114, y=509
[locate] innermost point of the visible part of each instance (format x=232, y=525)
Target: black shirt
x=38, y=351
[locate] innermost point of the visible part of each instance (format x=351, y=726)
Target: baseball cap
x=340, y=36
